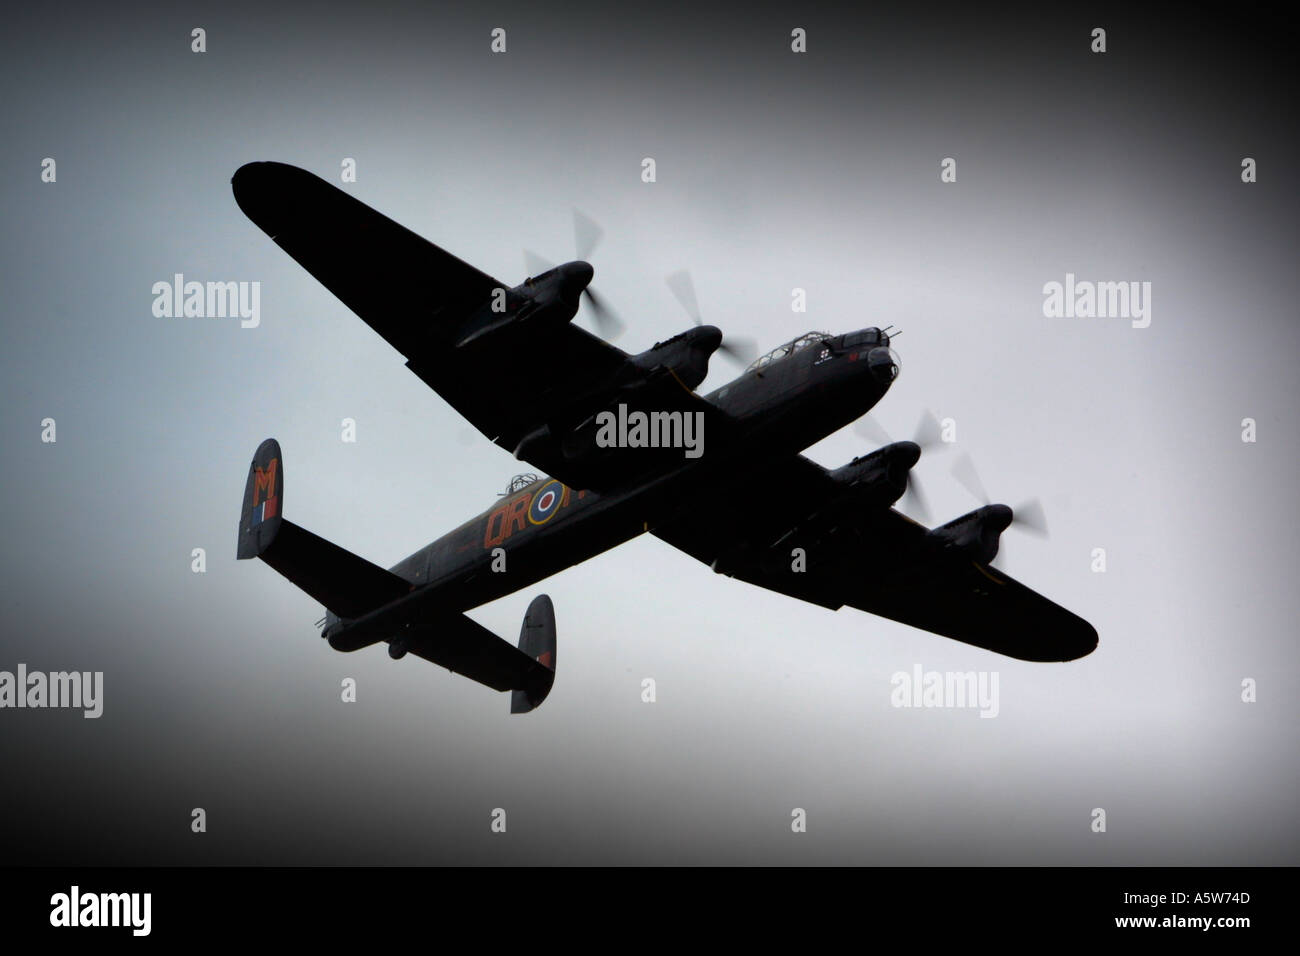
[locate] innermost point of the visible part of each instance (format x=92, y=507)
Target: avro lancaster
x=749, y=505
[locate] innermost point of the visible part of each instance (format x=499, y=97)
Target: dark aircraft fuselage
x=777, y=408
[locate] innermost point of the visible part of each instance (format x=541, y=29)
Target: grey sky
x=774, y=171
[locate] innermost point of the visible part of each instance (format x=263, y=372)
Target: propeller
x=928, y=433
x=927, y=436
x=607, y=323
x=963, y=469
x=1028, y=516
x=870, y=429
x=912, y=493
x=535, y=264
x=740, y=350
x=586, y=235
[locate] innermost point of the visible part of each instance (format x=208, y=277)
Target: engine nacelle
x=879, y=478
x=686, y=355
x=976, y=534
x=536, y=307
x=869, y=482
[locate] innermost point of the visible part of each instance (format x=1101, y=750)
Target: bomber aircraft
x=590, y=416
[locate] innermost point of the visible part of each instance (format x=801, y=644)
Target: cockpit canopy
x=861, y=339
x=789, y=348
x=519, y=482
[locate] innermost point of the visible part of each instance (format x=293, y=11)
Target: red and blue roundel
x=546, y=502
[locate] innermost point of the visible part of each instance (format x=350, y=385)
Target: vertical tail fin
x=537, y=640
x=349, y=586
x=259, y=519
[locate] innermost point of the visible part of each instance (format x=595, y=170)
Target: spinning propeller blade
x=586, y=235
x=743, y=351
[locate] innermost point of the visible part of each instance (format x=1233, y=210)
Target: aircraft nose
x=884, y=365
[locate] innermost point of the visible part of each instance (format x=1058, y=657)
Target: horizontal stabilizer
x=465, y=647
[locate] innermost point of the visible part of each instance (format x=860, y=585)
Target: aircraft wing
x=873, y=559
x=403, y=286
x=418, y=296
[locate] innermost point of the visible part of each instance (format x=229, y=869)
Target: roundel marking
x=546, y=502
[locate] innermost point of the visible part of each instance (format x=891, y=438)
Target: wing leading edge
x=404, y=287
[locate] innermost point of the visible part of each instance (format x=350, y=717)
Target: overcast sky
x=775, y=170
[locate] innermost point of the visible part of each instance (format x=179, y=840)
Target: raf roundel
x=546, y=502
